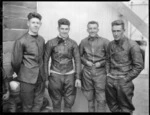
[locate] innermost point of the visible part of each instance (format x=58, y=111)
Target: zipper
x=92, y=52
x=93, y=68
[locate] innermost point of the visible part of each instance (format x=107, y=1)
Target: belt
x=116, y=76
x=70, y=72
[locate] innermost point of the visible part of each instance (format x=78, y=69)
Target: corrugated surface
x=8, y=46
x=14, y=26
x=11, y=34
x=6, y=58
x=16, y=11
x=11, y=23
x=31, y=5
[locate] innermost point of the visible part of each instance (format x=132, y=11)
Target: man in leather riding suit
x=64, y=69
x=93, y=57
x=27, y=63
x=124, y=63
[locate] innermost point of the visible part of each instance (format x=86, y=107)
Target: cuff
x=128, y=78
x=78, y=77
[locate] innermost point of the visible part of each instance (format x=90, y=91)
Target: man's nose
x=92, y=30
x=36, y=24
x=115, y=33
x=65, y=31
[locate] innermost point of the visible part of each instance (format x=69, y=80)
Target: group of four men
x=103, y=70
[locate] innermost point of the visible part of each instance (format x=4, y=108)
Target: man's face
x=34, y=25
x=117, y=31
x=92, y=29
x=64, y=30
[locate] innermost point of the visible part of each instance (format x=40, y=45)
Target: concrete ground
x=140, y=99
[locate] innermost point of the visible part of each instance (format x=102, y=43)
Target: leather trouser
x=13, y=103
x=93, y=87
x=62, y=86
x=32, y=96
x=119, y=95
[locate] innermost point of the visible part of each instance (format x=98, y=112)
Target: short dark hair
x=93, y=22
x=63, y=21
x=118, y=22
x=34, y=15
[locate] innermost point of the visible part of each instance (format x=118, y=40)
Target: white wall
x=79, y=14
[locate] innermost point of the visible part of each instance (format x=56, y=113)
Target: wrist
x=126, y=79
x=108, y=74
x=77, y=78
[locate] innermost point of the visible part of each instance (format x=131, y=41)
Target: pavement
x=140, y=99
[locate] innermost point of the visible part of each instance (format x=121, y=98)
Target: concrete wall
x=14, y=26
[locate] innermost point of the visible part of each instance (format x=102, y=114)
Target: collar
x=34, y=36
x=62, y=38
x=93, y=38
x=121, y=41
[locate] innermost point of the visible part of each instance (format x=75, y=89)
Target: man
x=27, y=63
x=63, y=78
x=124, y=63
x=93, y=57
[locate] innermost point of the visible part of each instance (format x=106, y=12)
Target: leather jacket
x=27, y=58
x=124, y=58
x=62, y=53
x=93, y=50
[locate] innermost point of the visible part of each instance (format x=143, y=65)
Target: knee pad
x=14, y=86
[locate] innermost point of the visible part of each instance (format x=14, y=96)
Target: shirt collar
x=34, y=36
x=62, y=38
x=93, y=38
x=121, y=41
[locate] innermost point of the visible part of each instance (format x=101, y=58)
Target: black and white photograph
x=75, y=56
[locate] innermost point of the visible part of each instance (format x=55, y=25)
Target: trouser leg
x=55, y=91
x=125, y=94
x=88, y=88
x=27, y=96
x=89, y=94
x=111, y=95
x=12, y=104
x=91, y=105
x=38, y=97
x=69, y=92
x=101, y=101
x=5, y=106
x=99, y=84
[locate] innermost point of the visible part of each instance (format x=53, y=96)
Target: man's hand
x=97, y=64
x=14, y=75
x=46, y=83
x=6, y=95
x=109, y=75
x=78, y=83
x=89, y=63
